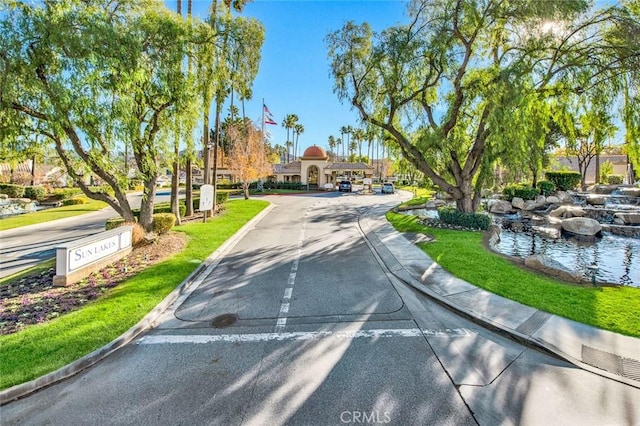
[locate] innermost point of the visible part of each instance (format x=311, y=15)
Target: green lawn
x=50, y=214
x=43, y=348
x=462, y=253
x=426, y=194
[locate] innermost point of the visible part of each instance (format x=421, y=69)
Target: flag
x=267, y=110
x=268, y=120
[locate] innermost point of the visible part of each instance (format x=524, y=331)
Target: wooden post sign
x=77, y=259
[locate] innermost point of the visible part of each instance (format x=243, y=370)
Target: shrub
x=606, y=169
x=163, y=222
x=564, y=180
x=614, y=179
x=521, y=190
x=66, y=193
x=35, y=192
x=74, y=201
x=468, y=220
x=13, y=191
x=137, y=233
x=221, y=197
x=166, y=208
x=546, y=187
x=113, y=223
x=163, y=208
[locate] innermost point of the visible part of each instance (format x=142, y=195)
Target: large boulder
x=552, y=199
x=629, y=191
x=517, y=203
x=582, y=226
x=501, y=207
x=531, y=205
x=434, y=204
x=626, y=218
x=551, y=267
x=604, y=189
x=567, y=212
x=596, y=199
x=541, y=200
x=564, y=197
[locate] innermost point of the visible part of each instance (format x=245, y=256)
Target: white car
x=387, y=188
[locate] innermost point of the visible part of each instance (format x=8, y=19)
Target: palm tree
x=345, y=130
x=289, y=144
x=339, y=143
x=289, y=123
x=299, y=129
x=358, y=137
x=332, y=145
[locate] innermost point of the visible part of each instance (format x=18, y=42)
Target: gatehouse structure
x=315, y=169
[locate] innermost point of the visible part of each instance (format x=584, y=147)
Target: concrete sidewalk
x=602, y=352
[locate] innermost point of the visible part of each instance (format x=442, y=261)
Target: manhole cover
x=224, y=320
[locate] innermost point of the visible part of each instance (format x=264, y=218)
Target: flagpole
x=262, y=118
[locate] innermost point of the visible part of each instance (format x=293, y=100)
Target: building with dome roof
x=315, y=169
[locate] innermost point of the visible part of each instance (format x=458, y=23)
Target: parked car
x=344, y=186
x=387, y=188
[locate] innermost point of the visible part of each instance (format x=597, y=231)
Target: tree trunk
x=215, y=152
x=33, y=171
x=146, y=205
x=175, y=190
x=175, y=183
x=205, y=146
x=245, y=188
x=189, y=189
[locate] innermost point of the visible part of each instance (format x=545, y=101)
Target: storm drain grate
x=224, y=320
x=625, y=367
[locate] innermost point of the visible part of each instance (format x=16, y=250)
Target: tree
x=586, y=124
x=247, y=155
x=332, y=147
x=358, y=136
x=476, y=61
x=91, y=75
x=298, y=130
x=289, y=123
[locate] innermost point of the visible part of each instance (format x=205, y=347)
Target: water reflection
x=617, y=258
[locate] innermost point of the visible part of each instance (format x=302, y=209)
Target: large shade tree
x=443, y=85
x=91, y=75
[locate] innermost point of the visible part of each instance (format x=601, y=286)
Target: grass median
x=463, y=254
x=43, y=348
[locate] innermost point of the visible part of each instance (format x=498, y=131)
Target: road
x=302, y=323
x=22, y=248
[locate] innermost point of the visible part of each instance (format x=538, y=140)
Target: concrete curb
x=24, y=389
x=398, y=270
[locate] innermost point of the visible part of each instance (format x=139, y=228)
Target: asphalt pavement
x=320, y=313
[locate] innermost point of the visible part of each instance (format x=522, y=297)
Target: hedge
x=564, y=180
x=74, y=201
x=13, y=191
x=35, y=192
x=614, y=179
x=468, y=220
x=163, y=222
x=520, y=190
x=546, y=187
x=66, y=193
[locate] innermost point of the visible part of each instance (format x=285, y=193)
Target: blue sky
x=294, y=71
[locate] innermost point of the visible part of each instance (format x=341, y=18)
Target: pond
x=617, y=258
